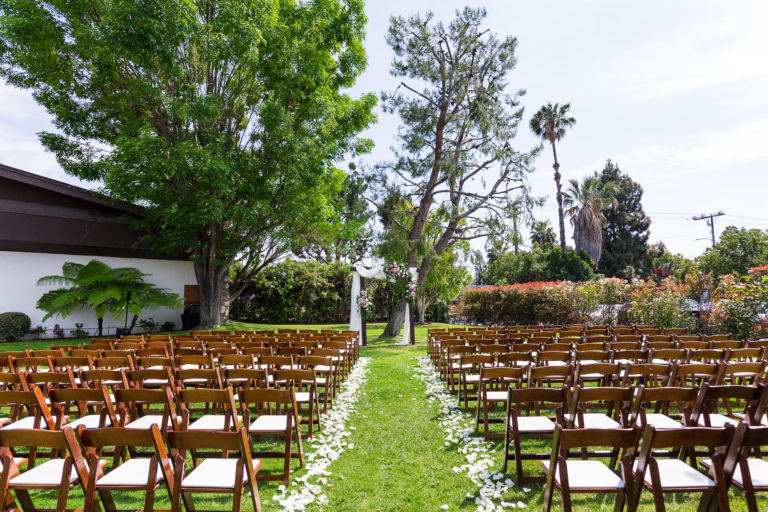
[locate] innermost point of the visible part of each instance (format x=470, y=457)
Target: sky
x=673, y=92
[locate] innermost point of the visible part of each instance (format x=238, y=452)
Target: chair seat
x=758, y=471
x=46, y=474
x=472, y=378
x=717, y=420
x=676, y=474
x=302, y=397
x=25, y=423
x=535, y=424
x=322, y=368
x=132, y=473
x=596, y=420
x=588, y=474
x=146, y=421
x=496, y=396
x=90, y=421
x=196, y=381
x=269, y=423
x=215, y=474
x=155, y=382
x=211, y=422
x=557, y=363
x=659, y=420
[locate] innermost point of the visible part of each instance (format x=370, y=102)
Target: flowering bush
x=740, y=306
x=666, y=305
x=38, y=332
x=57, y=331
x=396, y=272
x=400, y=276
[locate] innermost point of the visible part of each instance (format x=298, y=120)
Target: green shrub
x=13, y=325
x=547, y=263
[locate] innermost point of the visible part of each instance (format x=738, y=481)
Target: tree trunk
x=422, y=304
x=560, y=215
x=516, y=235
x=210, y=279
x=100, y=322
x=395, y=321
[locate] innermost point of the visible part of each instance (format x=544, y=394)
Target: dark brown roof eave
x=36, y=180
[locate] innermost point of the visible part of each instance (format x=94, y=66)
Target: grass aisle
x=399, y=461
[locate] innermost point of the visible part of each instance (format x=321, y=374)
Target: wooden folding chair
x=276, y=415
x=590, y=476
x=213, y=475
x=705, y=409
x=55, y=474
x=646, y=374
x=750, y=474
x=615, y=400
x=469, y=375
x=219, y=401
x=305, y=388
x=662, y=476
x=651, y=406
x=136, y=474
x=79, y=405
x=34, y=402
x=494, y=385
x=325, y=377
x=603, y=374
x=135, y=408
x=518, y=425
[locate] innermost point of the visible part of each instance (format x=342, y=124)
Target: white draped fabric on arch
x=355, y=317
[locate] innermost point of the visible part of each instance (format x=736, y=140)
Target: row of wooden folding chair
x=83, y=466
x=494, y=382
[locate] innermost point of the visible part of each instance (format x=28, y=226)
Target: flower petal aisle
x=492, y=485
x=327, y=446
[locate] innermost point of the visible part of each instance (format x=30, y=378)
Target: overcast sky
x=676, y=93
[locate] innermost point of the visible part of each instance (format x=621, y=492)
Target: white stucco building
x=45, y=223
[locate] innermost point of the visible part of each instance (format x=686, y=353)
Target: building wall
x=19, y=272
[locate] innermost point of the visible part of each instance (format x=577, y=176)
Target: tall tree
x=550, y=124
x=222, y=117
x=509, y=223
x=457, y=125
x=585, y=203
x=625, y=235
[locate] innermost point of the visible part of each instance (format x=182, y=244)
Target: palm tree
x=585, y=203
x=550, y=123
x=104, y=289
x=542, y=233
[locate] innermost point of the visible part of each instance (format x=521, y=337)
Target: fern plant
x=103, y=289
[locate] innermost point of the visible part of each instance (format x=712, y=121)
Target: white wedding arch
x=356, y=322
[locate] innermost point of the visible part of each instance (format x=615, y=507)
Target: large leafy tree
x=585, y=203
x=104, y=289
x=625, y=234
x=457, y=122
x=738, y=250
x=550, y=124
x=222, y=117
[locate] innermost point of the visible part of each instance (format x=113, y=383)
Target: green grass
x=399, y=461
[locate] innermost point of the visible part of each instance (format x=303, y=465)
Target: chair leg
x=287, y=460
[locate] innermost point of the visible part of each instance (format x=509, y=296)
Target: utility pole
x=710, y=221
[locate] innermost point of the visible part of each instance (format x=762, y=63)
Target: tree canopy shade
x=222, y=117
x=457, y=122
x=625, y=233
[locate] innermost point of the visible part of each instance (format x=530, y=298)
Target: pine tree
x=625, y=235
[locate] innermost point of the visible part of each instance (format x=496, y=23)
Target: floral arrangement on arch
x=365, y=302
x=400, y=274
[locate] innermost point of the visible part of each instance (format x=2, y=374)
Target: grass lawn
x=399, y=461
